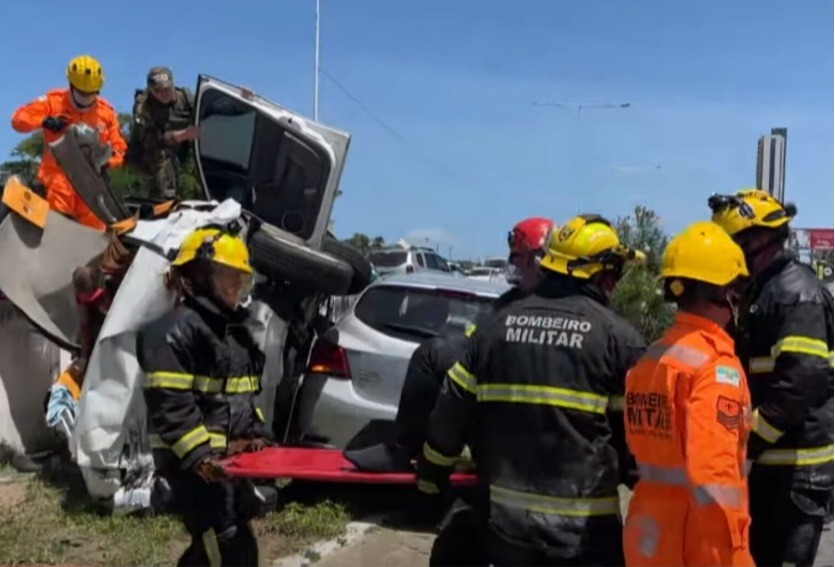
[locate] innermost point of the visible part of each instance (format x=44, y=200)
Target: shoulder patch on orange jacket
x=728, y=412
x=727, y=375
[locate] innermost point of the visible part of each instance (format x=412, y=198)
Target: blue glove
x=55, y=123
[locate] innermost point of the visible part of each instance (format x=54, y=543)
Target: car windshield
x=415, y=314
x=388, y=258
x=435, y=262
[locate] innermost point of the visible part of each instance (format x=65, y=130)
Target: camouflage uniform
x=152, y=150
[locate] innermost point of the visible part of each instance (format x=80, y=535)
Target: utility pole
x=316, y=66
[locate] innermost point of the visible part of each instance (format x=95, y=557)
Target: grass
x=44, y=521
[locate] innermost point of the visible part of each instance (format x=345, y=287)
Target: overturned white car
x=272, y=170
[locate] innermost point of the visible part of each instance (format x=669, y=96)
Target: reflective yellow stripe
x=205, y=384
x=462, y=377
x=242, y=385
x=436, y=458
x=761, y=365
x=208, y=385
x=797, y=457
x=428, y=487
x=470, y=331
x=801, y=345
x=260, y=414
x=764, y=429
x=172, y=380
x=212, y=548
x=190, y=441
x=543, y=395
x=216, y=440
x=545, y=504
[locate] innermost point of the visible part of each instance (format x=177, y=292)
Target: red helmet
x=529, y=235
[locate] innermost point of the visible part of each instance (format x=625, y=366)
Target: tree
x=378, y=242
x=639, y=296
x=360, y=241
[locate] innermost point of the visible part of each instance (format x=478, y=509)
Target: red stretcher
x=322, y=465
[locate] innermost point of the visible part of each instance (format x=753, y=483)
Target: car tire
x=276, y=257
x=360, y=266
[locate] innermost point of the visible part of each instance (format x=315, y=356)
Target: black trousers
x=461, y=535
x=216, y=516
x=786, y=520
x=504, y=553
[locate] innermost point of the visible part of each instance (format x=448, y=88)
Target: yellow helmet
x=584, y=246
x=215, y=245
x=749, y=208
x=703, y=252
x=85, y=74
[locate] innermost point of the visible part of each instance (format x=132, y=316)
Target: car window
x=419, y=258
x=417, y=314
x=388, y=258
x=227, y=127
x=435, y=262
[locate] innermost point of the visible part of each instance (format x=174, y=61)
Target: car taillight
x=328, y=358
x=454, y=294
x=410, y=269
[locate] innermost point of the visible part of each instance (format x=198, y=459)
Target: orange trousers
x=664, y=528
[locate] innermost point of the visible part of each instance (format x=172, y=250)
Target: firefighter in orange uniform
x=688, y=413
x=80, y=103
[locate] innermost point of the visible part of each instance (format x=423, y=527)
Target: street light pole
x=316, y=66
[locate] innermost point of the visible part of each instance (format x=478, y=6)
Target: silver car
x=356, y=370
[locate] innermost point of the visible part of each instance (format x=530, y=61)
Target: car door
x=281, y=166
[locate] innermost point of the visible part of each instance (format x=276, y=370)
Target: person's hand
x=55, y=123
x=258, y=444
x=210, y=470
x=188, y=134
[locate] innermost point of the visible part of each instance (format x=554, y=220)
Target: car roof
x=432, y=279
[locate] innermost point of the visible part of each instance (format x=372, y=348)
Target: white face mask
x=83, y=101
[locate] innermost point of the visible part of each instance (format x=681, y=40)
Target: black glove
x=55, y=123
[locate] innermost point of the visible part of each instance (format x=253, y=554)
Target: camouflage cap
x=160, y=78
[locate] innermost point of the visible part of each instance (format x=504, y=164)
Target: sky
x=448, y=146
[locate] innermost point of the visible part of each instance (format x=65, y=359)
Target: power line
x=428, y=160
x=380, y=122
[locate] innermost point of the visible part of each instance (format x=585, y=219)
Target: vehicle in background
x=356, y=369
x=486, y=274
x=402, y=259
x=497, y=262
x=455, y=267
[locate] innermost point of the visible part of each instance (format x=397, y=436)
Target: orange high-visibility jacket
x=61, y=195
x=687, y=416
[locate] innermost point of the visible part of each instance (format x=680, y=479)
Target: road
x=371, y=545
